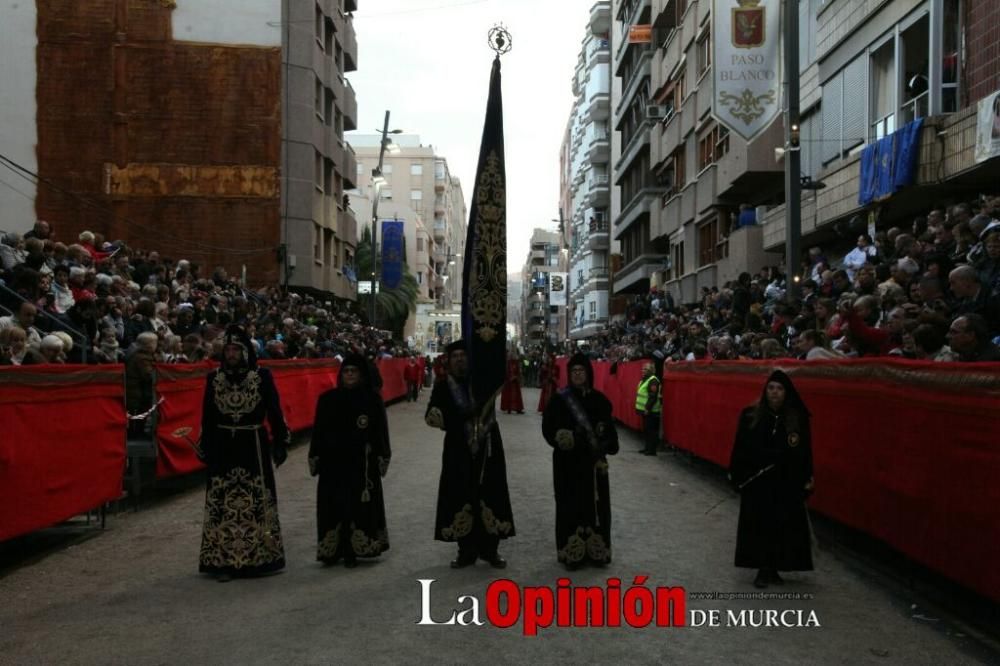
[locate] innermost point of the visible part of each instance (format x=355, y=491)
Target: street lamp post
x=793, y=159
x=377, y=181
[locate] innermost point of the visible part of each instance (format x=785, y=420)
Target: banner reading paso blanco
x=746, y=64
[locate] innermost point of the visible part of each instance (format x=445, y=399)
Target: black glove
x=279, y=454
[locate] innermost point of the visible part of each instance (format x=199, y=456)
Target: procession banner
x=484, y=277
x=392, y=253
x=746, y=64
x=557, y=289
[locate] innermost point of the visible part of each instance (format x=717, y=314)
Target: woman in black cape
x=350, y=453
x=771, y=468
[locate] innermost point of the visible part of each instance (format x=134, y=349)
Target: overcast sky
x=428, y=62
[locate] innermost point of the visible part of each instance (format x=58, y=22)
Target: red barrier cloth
x=393, y=383
x=628, y=377
x=182, y=387
x=79, y=462
x=905, y=451
x=300, y=383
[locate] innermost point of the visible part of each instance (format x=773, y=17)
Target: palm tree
x=393, y=306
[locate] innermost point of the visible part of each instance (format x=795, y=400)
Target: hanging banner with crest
x=746, y=64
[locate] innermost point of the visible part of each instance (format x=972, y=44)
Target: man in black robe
x=350, y=453
x=578, y=425
x=473, y=506
x=771, y=467
x=241, y=535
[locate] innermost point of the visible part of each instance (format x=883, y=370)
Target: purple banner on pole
x=392, y=253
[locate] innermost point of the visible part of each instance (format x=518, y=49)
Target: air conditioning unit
x=656, y=112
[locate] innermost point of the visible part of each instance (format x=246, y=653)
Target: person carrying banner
x=473, y=505
x=350, y=453
x=771, y=467
x=241, y=535
x=580, y=428
x=510, y=399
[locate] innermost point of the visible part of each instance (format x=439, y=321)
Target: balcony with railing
x=349, y=170
x=348, y=42
x=440, y=228
x=599, y=237
x=598, y=190
x=598, y=51
x=349, y=107
x=599, y=273
x=600, y=18
x=598, y=145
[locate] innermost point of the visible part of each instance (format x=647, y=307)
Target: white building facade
x=585, y=179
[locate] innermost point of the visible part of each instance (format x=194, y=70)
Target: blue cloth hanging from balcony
x=907, y=154
x=889, y=164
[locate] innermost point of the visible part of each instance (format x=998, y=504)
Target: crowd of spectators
x=930, y=291
x=102, y=302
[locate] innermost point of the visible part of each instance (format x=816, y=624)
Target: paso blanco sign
x=746, y=64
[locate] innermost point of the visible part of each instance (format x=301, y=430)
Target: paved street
x=133, y=595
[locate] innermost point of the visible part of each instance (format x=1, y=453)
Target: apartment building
x=206, y=131
x=543, y=321
x=868, y=69
x=585, y=167
x=639, y=192
x=419, y=180
x=319, y=229
x=702, y=173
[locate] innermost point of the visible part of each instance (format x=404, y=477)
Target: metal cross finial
x=500, y=39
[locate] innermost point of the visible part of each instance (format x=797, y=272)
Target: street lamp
x=450, y=260
x=378, y=181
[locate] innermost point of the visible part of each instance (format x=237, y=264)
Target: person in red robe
x=440, y=370
x=413, y=374
x=549, y=381
x=510, y=399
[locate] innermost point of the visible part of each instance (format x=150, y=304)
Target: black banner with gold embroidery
x=484, y=279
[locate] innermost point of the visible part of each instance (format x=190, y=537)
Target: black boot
x=463, y=560
x=761, y=580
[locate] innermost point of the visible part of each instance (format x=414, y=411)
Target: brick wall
x=115, y=89
x=982, y=49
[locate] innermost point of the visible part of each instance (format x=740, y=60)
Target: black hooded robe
x=350, y=453
x=241, y=534
x=580, y=470
x=472, y=492
x=773, y=530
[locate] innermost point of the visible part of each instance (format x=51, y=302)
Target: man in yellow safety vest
x=647, y=405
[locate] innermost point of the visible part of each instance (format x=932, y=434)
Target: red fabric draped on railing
x=905, y=451
x=299, y=383
x=619, y=387
x=63, y=446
